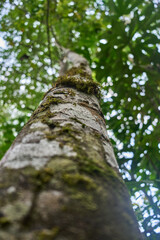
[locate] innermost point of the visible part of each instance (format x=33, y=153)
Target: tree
x=55, y=183
x=121, y=42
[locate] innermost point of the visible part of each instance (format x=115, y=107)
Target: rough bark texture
x=60, y=179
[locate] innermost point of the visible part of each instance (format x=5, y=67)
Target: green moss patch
x=45, y=105
x=85, y=201
x=65, y=130
x=87, y=85
x=4, y=222
x=39, y=178
x=79, y=180
x=78, y=71
x=48, y=234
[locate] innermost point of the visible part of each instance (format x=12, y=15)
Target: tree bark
x=60, y=180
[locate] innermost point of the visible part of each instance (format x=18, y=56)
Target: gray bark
x=60, y=180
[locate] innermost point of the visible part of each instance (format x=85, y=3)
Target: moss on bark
x=78, y=196
x=79, y=79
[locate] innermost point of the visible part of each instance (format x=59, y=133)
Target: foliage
x=120, y=39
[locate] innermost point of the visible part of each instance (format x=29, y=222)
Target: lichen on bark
x=60, y=178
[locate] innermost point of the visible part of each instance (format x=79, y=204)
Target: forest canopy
x=121, y=41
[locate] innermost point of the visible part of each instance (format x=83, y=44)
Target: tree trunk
x=59, y=180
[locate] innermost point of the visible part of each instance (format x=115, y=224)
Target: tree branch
x=48, y=31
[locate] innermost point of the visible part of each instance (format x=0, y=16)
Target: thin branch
x=30, y=109
x=57, y=43
x=48, y=31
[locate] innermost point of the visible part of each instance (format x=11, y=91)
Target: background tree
x=120, y=39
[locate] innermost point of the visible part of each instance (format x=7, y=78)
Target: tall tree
x=120, y=39
x=55, y=183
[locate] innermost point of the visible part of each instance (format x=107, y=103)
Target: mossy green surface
x=4, y=222
x=83, y=83
x=87, y=86
x=48, y=234
x=79, y=71
x=79, y=180
x=65, y=130
x=45, y=104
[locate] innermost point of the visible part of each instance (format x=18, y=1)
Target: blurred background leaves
x=121, y=40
